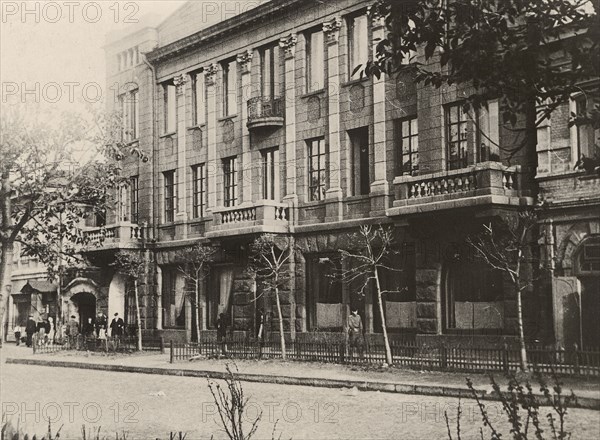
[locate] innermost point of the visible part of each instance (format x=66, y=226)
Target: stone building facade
x=257, y=124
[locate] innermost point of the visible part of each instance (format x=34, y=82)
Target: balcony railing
x=485, y=183
x=122, y=235
x=266, y=112
x=260, y=217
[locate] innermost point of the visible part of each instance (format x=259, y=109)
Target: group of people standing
x=46, y=332
x=44, y=329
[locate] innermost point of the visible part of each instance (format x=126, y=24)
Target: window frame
x=354, y=56
x=271, y=90
x=199, y=190
x=169, y=107
x=198, y=105
x=230, y=183
x=413, y=146
x=310, y=83
x=463, y=160
x=134, y=199
x=270, y=174
x=170, y=196
x=321, y=171
x=229, y=72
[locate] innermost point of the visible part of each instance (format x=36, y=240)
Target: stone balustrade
x=481, y=183
x=260, y=217
x=113, y=236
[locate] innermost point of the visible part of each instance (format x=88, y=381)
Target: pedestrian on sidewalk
x=30, y=329
x=355, y=333
x=73, y=331
x=17, y=332
x=50, y=330
x=41, y=330
x=222, y=332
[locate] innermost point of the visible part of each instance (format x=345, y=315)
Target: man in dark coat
x=30, y=329
x=116, y=326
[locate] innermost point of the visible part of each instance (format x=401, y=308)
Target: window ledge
x=225, y=118
x=355, y=81
x=314, y=93
x=197, y=127
x=166, y=135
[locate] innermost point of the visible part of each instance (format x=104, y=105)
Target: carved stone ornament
x=210, y=73
x=288, y=44
x=245, y=60
x=331, y=29
x=179, y=83
x=377, y=20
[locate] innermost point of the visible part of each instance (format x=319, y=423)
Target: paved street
x=149, y=406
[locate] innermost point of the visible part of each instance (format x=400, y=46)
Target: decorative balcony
x=265, y=112
x=488, y=183
x=264, y=216
x=120, y=236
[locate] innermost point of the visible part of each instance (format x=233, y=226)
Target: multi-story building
x=258, y=124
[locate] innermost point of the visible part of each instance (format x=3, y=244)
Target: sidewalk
x=296, y=373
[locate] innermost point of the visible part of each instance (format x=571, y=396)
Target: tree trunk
x=279, y=314
x=386, y=341
x=523, y=348
x=5, y=259
x=197, y=299
x=137, y=312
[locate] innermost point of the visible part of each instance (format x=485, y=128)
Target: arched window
x=473, y=297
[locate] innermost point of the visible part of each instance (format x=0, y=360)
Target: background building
x=258, y=123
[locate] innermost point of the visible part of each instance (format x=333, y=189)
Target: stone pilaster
x=288, y=45
x=210, y=73
x=245, y=61
x=334, y=208
x=181, y=214
x=380, y=187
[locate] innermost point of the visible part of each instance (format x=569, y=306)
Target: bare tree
x=270, y=257
x=506, y=247
x=373, y=247
x=194, y=268
x=134, y=266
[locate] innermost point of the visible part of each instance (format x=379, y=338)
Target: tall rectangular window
x=315, y=61
x=229, y=88
x=407, y=144
x=358, y=43
x=198, y=98
x=317, y=168
x=359, y=143
x=270, y=167
x=170, y=108
x=230, y=181
x=199, y=195
x=456, y=137
x=587, y=136
x=134, y=121
x=170, y=196
x=269, y=71
x=134, y=198
x=130, y=113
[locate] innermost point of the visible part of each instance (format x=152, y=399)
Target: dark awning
x=39, y=286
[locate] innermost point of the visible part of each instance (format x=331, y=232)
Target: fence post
x=34, y=340
x=577, y=360
x=443, y=357
x=505, y=358
x=171, y=355
x=162, y=345
x=342, y=352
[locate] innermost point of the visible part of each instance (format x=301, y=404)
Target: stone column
x=288, y=44
x=159, y=312
x=334, y=209
x=245, y=61
x=181, y=213
x=212, y=166
x=380, y=186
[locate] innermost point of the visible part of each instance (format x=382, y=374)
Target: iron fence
x=109, y=344
x=411, y=354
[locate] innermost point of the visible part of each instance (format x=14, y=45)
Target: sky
x=54, y=48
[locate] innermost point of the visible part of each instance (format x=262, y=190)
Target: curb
x=385, y=387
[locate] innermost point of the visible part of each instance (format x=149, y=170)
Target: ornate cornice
x=210, y=73
x=331, y=29
x=288, y=44
x=179, y=82
x=245, y=60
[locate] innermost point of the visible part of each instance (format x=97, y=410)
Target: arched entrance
x=85, y=304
